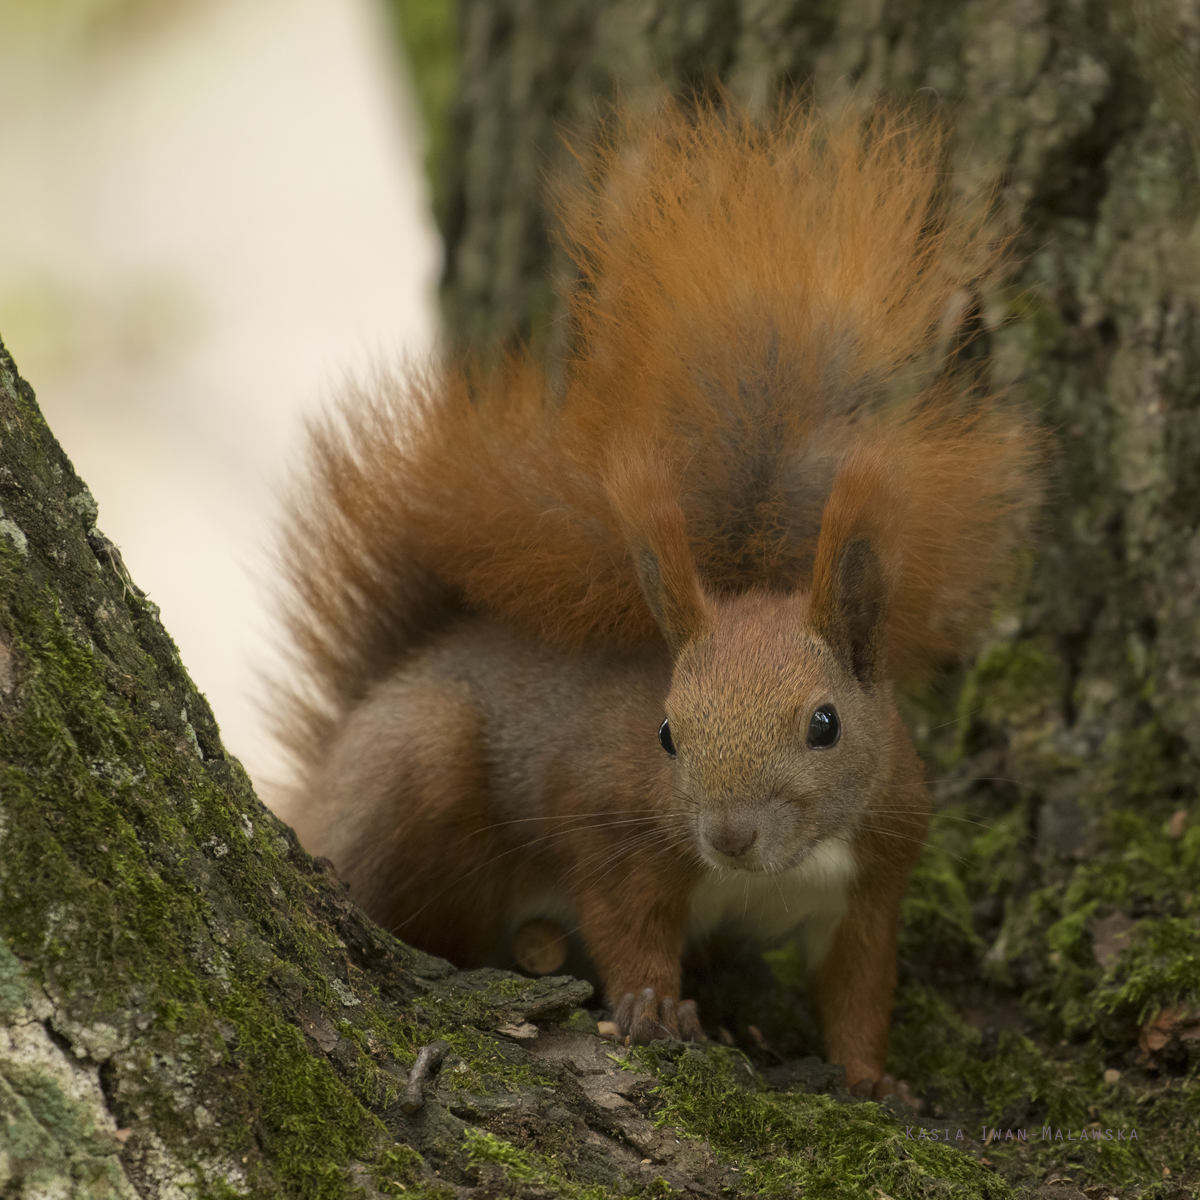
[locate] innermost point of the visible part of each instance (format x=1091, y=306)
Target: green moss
x=1012, y=683
x=936, y=1063
x=936, y=922
x=1050, y=928
x=1160, y=968
x=787, y=967
x=1142, y=767
x=309, y=1121
x=525, y=1167
x=1082, y=1015
x=944, y=1056
x=488, y=1071
x=400, y=1171
x=785, y=1144
x=13, y=992
x=580, y=1021
x=1015, y=1083
x=995, y=857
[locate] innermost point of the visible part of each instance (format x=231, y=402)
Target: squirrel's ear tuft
x=852, y=616
x=673, y=593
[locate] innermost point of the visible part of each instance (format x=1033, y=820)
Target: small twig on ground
x=428, y=1061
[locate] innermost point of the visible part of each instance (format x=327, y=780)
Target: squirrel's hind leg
x=401, y=807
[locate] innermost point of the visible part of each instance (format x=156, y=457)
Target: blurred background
x=213, y=212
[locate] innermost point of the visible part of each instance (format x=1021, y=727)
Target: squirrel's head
x=778, y=718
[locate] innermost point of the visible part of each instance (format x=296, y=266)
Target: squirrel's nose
x=732, y=840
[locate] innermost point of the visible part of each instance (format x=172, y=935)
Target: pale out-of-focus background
x=213, y=211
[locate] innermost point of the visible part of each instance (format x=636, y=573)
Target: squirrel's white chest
x=810, y=899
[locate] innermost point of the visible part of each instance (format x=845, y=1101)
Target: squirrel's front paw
x=647, y=1017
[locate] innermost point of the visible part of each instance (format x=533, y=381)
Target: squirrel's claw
x=886, y=1085
x=908, y=1095
x=689, y=1022
x=645, y=1017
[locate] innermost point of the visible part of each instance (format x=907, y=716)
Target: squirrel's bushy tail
x=764, y=325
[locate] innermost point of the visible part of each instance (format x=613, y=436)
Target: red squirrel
x=615, y=649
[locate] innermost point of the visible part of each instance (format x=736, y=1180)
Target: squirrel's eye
x=664, y=737
x=824, y=728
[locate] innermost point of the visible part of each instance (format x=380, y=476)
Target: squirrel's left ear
x=849, y=606
x=856, y=562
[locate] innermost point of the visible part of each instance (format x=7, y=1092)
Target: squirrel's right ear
x=673, y=593
x=657, y=539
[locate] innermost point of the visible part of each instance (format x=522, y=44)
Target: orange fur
x=749, y=299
